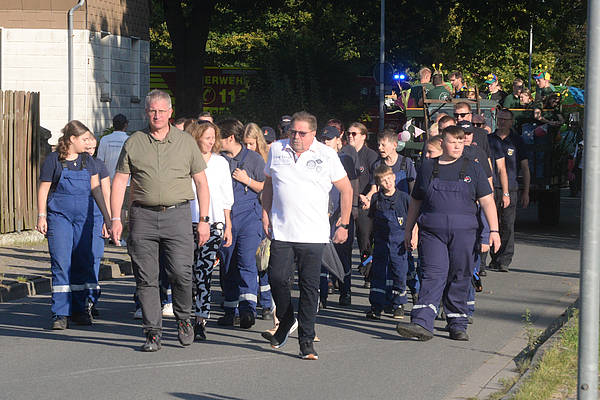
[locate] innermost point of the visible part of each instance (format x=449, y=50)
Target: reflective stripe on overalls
x=448, y=236
x=70, y=236
x=388, y=274
x=240, y=285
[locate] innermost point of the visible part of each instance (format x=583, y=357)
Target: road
x=358, y=358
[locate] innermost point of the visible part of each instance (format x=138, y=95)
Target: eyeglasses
x=353, y=133
x=292, y=132
x=461, y=115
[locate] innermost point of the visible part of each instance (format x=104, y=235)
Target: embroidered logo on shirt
x=362, y=169
x=510, y=152
x=467, y=179
x=311, y=164
x=401, y=220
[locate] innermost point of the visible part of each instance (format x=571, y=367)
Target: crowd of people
x=193, y=194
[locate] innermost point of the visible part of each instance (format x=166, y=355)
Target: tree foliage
x=310, y=51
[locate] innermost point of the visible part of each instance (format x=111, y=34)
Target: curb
x=41, y=285
x=546, y=340
x=10, y=239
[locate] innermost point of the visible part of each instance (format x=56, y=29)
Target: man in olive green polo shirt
x=162, y=162
x=439, y=92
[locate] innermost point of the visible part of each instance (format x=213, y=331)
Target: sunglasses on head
x=462, y=115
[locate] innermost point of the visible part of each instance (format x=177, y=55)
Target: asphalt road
x=358, y=358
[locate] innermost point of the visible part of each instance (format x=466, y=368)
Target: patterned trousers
x=206, y=258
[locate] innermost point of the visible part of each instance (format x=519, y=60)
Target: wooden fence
x=19, y=159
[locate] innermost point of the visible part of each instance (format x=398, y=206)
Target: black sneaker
x=246, y=320
x=415, y=296
x=59, y=323
x=226, y=320
x=410, y=330
x=323, y=303
x=459, y=335
x=82, y=318
x=345, y=299
x=199, y=331
x=502, y=268
x=399, y=312
x=307, y=351
x=185, y=332
x=374, y=314
x=267, y=314
x=280, y=338
x=152, y=342
x=483, y=271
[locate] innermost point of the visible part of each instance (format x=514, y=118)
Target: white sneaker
x=138, y=314
x=167, y=310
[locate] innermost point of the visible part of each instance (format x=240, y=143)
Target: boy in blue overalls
x=444, y=200
x=388, y=211
x=404, y=170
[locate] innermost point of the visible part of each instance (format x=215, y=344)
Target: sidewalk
x=25, y=269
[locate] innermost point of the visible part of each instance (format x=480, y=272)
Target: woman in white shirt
x=207, y=136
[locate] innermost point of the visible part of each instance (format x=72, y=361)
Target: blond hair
x=253, y=131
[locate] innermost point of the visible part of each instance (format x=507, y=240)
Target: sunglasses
x=293, y=132
x=462, y=115
x=478, y=124
x=354, y=133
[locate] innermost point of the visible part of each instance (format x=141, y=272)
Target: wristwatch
x=204, y=219
x=506, y=194
x=345, y=226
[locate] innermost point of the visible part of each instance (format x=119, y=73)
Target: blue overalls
x=70, y=242
x=448, y=227
x=240, y=285
x=412, y=278
x=388, y=274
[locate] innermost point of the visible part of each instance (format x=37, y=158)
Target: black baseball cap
x=329, y=132
x=269, y=134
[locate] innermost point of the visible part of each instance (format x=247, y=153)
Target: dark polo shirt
x=161, y=170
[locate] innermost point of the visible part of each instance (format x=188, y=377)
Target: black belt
x=161, y=208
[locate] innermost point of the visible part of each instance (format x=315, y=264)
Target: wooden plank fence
x=19, y=159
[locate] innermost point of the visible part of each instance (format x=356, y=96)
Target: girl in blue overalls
x=444, y=200
x=388, y=210
x=240, y=284
x=68, y=180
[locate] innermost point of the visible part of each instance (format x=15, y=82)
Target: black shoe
x=82, y=318
x=307, y=351
x=226, y=320
x=374, y=314
x=246, y=320
x=94, y=311
x=399, y=312
x=483, y=271
x=280, y=338
x=502, y=268
x=199, y=331
x=267, y=335
x=459, y=335
x=323, y=304
x=152, y=342
x=59, y=323
x=185, y=332
x=410, y=330
x=345, y=299
x=267, y=314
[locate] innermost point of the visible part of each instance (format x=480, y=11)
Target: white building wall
x=111, y=75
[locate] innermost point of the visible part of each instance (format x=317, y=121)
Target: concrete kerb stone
x=545, y=342
x=11, y=239
x=41, y=285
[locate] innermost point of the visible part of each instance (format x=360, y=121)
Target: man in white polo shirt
x=299, y=174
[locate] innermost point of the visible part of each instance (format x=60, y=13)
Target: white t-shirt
x=109, y=150
x=301, y=191
x=220, y=187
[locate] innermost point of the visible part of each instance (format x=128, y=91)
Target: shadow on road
x=203, y=396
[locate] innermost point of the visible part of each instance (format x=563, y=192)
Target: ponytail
x=73, y=128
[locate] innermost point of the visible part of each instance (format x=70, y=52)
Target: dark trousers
x=168, y=235
x=364, y=231
x=506, y=222
x=281, y=269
